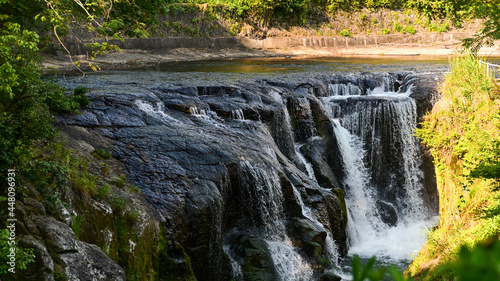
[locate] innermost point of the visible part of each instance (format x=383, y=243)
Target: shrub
x=80, y=98
x=464, y=140
x=103, y=191
x=23, y=256
x=384, y=31
x=105, y=169
x=345, y=32
x=410, y=30
x=80, y=91
x=439, y=27
x=132, y=217
x=135, y=189
x=27, y=104
x=118, y=205
x=86, y=183
x=397, y=27
x=76, y=226
x=482, y=260
x=176, y=25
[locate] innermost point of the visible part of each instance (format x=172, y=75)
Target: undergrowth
x=462, y=132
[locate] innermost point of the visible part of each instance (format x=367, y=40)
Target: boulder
x=387, y=213
x=256, y=262
x=89, y=263
x=43, y=267
x=312, y=249
x=58, y=236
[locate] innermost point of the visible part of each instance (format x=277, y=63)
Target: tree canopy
x=490, y=11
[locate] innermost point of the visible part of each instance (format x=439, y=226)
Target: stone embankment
x=271, y=43
x=160, y=50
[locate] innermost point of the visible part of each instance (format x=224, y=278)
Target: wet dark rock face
x=206, y=158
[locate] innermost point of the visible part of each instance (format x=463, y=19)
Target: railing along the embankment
x=492, y=69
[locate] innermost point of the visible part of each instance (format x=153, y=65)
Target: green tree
x=490, y=11
x=23, y=116
x=26, y=102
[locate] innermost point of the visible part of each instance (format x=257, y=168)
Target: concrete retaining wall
x=346, y=42
x=158, y=44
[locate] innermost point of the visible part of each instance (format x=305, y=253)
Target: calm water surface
x=214, y=72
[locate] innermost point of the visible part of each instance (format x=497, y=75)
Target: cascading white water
x=262, y=190
x=158, y=112
x=385, y=125
x=197, y=111
x=331, y=250
x=413, y=175
x=236, y=271
x=348, y=89
x=309, y=168
x=237, y=114
x=268, y=200
x=205, y=114
x=363, y=223
x=368, y=234
x=288, y=263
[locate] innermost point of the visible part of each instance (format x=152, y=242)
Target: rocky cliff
x=238, y=181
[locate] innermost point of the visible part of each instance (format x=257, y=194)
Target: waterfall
x=262, y=193
x=330, y=248
x=348, y=89
x=362, y=218
x=382, y=177
x=309, y=168
x=379, y=171
x=237, y=114
x=198, y=111
x=158, y=112
x=263, y=197
x=236, y=271
x=287, y=261
x=205, y=115
x=331, y=251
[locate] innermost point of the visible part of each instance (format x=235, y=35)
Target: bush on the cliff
x=462, y=133
x=23, y=257
x=26, y=102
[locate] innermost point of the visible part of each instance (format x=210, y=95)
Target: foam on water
x=288, y=263
x=309, y=168
x=394, y=244
x=368, y=235
x=158, y=111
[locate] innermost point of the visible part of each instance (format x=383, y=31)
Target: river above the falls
x=221, y=72
x=393, y=242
